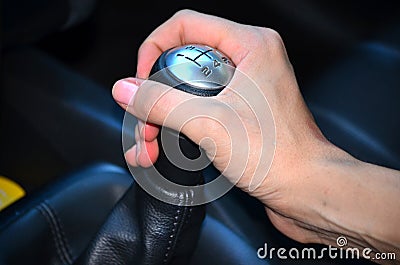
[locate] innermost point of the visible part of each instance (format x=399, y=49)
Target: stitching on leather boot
x=172, y=236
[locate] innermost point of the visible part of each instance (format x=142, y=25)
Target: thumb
x=163, y=105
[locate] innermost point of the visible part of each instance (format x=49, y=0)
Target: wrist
x=354, y=199
x=326, y=193
x=329, y=189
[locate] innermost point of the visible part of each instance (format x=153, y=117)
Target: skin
x=313, y=191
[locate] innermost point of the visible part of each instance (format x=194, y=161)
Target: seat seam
x=57, y=232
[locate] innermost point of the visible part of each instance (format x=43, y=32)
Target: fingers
x=187, y=27
x=250, y=48
x=147, y=131
x=159, y=104
x=145, y=152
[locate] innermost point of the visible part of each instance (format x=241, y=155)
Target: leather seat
x=55, y=225
x=97, y=216
x=90, y=217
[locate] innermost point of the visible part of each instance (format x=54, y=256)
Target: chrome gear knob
x=197, y=69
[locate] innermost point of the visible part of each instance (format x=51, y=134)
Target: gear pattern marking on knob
x=200, y=66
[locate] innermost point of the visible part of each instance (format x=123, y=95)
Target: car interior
x=74, y=198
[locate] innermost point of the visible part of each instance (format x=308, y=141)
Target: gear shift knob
x=199, y=70
x=196, y=69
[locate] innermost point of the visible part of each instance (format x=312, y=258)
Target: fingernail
x=124, y=90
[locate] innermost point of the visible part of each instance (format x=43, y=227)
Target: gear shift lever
x=143, y=229
x=199, y=70
x=175, y=225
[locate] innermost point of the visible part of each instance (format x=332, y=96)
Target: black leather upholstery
x=55, y=225
x=97, y=216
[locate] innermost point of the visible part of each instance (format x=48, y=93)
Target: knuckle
x=272, y=40
x=183, y=13
x=271, y=35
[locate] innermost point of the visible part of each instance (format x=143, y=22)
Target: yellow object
x=9, y=192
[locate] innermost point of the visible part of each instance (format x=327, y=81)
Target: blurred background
x=100, y=38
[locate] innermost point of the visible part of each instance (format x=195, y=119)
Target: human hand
x=289, y=137
x=282, y=159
